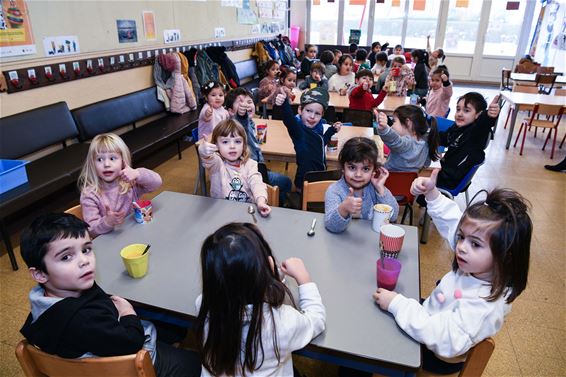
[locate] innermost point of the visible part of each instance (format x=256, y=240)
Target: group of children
x=244, y=326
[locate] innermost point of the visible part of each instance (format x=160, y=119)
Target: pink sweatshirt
x=206, y=128
x=239, y=183
x=438, y=101
x=94, y=204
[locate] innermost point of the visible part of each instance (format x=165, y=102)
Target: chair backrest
x=477, y=358
x=545, y=82
x=360, y=118
x=313, y=177
x=323, y=175
x=273, y=195
x=465, y=182
x=36, y=363
x=399, y=183
x=550, y=110
x=194, y=134
x=545, y=69
x=443, y=124
x=525, y=89
x=76, y=211
x=560, y=92
x=314, y=192
x=505, y=77
x=330, y=114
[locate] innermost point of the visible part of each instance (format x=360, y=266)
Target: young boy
x=309, y=59
x=240, y=105
x=71, y=316
x=306, y=132
x=327, y=58
x=316, y=79
x=361, y=97
x=361, y=187
x=361, y=61
x=397, y=52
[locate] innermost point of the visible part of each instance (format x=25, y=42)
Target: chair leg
x=8, y=243
x=410, y=206
x=553, y=142
x=179, y=149
x=426, y=228
x=562, y=142
x=518, y=134
x=404, y=214
x=523, y=142
x=546, y=140
x=507, y=120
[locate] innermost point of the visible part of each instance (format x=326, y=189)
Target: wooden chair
x=505, y=77
x=36, y=363
x=477, y=358
x=76, y=211
x=539, y=109
x=521, y=89
x=273, y=195
x=545, y=82
x=359, y=118
x=314, y=188
x=545, y=70
x=399, y=183
x=560, y=92
x=314, y=192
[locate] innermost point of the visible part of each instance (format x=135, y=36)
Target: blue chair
x=200, y=180
x=443, y=124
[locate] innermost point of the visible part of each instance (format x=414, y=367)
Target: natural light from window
x=462, y=26
x=324, y=22
x=504, y=29
x=388, y=22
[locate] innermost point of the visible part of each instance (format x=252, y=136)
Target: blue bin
x=12, y=174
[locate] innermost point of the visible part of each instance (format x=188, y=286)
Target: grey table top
x=342, y=265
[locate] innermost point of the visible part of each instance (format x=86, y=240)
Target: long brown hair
x=422, y=124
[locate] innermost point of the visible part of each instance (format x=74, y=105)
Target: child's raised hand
x=207, y=148
x=378, y=180
x=426, y=186
x=383, y=297
x=493, y=109
x=114, y=218
x=343, y=91
x=443, y=77
x=129, y=175
x=351, y=205
x=365, y=86
x=123, y=306
x=263, y=208
x=381, y=120
x=280, y=99
x=337, y=126
x=295, y=268
x=208, y=114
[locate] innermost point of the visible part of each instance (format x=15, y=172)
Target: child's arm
x=338, y=210
x=324, y=83
x=205, y=122
x=99, y=222
x=146, y=181
x=289, y=120
x=396, y=143
x=379, y=99
x=210, y=158
x=446, y=88
x=359, y=91
x=258, y=188
x=266, y=87
x=306, y=83
x=331, y=131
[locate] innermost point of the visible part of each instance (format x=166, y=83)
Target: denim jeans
x=281, y=181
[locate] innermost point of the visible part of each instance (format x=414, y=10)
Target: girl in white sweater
x=491, y=241
x=344, y=78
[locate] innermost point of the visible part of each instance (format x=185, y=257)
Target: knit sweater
x=406, y=152
x=306, y=84
x=218, y=115
x=94, y=204
x=337, y=193
x=338, y=81
x=361, y=99
x=438, y=100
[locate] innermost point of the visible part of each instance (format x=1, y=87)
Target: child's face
x=70, y=266
x=400, y=128
x=398, y=51
x=435, y=54
x=230, y=147
x=215, y=98
x=273, y=71
x=435, y=82
x=465, y=114
x=473, y=252
x=376, y=49
x=311, y=52
x=243, y=104
x=316, y=75
x=337, y=56
x=311, y=114
x=358, y=174
x=290, y=80
x=396, y=65
x=365, y=79
x=108, y=165
x=346, y=67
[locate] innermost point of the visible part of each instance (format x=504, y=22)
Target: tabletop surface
x=532, y=76
x=531, y=99
x=343, y=266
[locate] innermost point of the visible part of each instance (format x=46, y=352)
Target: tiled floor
x=532, y=341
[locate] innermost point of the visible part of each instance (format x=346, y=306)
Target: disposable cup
x=136, y=264
x=388, y=270
x=391, y=240
x=261, y=133
x=382, y=213
x=143, y=212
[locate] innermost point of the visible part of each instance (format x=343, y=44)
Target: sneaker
x=556, y=167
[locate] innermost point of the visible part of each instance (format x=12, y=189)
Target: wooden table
x=389, y=104
x=358, y=333
x=279, y=146
x=531, y=78
x=518, y=100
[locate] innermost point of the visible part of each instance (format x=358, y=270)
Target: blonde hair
x=231, y=127
x=103, y=143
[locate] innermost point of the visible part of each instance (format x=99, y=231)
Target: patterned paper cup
x=143, y=211
x=261, y=130
x=391, y=240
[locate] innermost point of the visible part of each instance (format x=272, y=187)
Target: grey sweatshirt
x=407, y=153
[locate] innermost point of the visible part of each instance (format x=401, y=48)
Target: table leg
x=8, y=243
x=512, y=125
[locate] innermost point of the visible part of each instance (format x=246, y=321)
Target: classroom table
x=358, y=333
x=531, y=78
x=279, y=146
x=517, y=100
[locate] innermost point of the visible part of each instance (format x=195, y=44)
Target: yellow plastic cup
x=136, y=264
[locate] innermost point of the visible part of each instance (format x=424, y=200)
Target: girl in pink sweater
x=233, y=175
x=109, y=185
x=213, y=110
x=438, y=99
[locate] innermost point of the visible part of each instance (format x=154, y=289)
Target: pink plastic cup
x=388, y=273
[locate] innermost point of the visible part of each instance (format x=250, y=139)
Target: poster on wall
x=127, y=31
x=16, y=37
x=61, y=45
x=171, y=35
x=246, y=16
x=149, y=25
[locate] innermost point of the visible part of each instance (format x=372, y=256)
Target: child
x=412, y=138
x=345, y=78
x=244, y=327
x=400, y=78
x=327, y=58
x=398, y=53
x=361, y=60
x=491, y=241
x=268, y=84
x=316, y=79
x=109, y=185
x=286, y=84
x=306, y=131
x=337, y=55
x=376, y=48
x=212, y=112
x=71, y=316
x=438, y=98
x=361, y=187
x=240, y=105
x=420, y=57
x=435, y=57
x=310, y=57
x=233, y=175
x=361, y=97
x=380, y=64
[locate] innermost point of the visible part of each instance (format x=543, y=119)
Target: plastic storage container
x=12, y=174
x=294, y=36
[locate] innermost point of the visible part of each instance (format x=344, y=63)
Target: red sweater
x=361, y=99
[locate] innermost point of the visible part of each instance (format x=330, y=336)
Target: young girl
x=421, y=70
x=212, y=112
x=309, y=59
x=233, y=175
x=268, y=84
x=286, y=83
x=109, y=185
x=344, y=78
x=491, y=241
x=435, y=57
x=400, y=78
x=243, y=327
x=412, y=138
x=361, y=187
x=438, y=98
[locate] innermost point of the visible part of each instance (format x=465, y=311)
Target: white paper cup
x=382, y=213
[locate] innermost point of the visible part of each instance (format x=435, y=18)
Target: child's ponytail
x=423, y=124
x=433, y=138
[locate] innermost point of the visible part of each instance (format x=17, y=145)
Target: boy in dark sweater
x=307, y=132
x=71, y=316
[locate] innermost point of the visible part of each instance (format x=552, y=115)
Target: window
x=421, y=23
x=388, y=22
x=355, y=17
x=324, y=22
x=504, y=29
x=462, y=26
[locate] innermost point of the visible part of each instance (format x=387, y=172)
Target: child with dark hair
x=361, y=97
x=327, y=58
x=399, y=78
x=268, y=84
x=352, y=49
x=361, y=187
x=337, y=55
x=286, y=83
x=71, y=316
x=399, y=51
x=420, y=57
x=344, y=78
x=316, y=79
x=309, y=59
x=213, y=110
x=438, y=98
x=491, y=242
x=376, y=48
x=436, y=57
x=361, y=60
x=244, y=327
